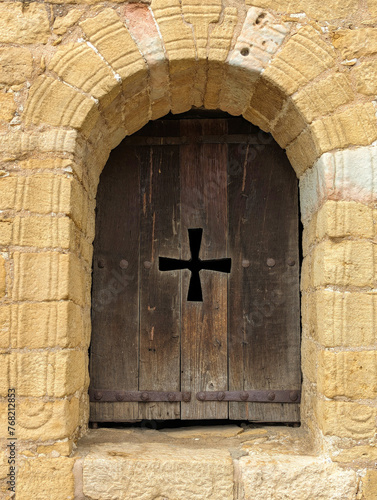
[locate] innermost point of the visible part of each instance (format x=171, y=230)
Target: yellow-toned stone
x=309, y=357
x=348, y=263
x=205, y=432
x=348, y=420
x=62, y=23
x=316, y=9
x=52, y=164
x=369, y=490
x=50, y=276
x=16, y=65
x=46, y=478
x=5, y=374
x=348, y=374
x=2, y=277
x=43, y=232
x=305, y=56
x=63, y=448
x=47, y=324
x=289, y=125
x=47, y=420
x=4, y=327
x=323, y=97
x=221, y=36
x=356, y=43
x=5, y=231
x=7, y=107
x=55, y=374
x=78, y=65
x=357, y=126
x=136, y=112
x=23, y=23
x=55, y=103
x=302, y=152
x=357, y=454
x=266, y=102
x=113, y=41
x=366, y=77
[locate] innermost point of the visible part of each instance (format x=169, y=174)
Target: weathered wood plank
x=264, y=333
x=160, y=295
x=115, y=305
x=204, y=324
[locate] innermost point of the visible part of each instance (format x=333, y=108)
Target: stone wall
x=76, y=77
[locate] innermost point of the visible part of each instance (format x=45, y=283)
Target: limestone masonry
x=76, y=77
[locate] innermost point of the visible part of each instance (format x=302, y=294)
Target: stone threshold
x=218, y=463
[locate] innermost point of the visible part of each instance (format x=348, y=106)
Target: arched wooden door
x=195, y=311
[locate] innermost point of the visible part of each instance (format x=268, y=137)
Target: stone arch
x=118, y=73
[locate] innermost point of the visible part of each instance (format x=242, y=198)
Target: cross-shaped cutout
x=195, y=265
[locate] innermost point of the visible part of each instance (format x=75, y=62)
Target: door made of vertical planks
x=195, y=297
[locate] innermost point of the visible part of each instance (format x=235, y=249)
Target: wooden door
x=195, y=311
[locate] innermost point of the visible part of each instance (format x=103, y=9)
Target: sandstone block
x=47, y=420
x=55, y=374
x=315, y=9
x=323, y=97
x=304, y=57
x=63, y=448
x=16, y=65
x=113, y=41
x=303, y=152
x=150, y=471
x=289, y=125
x=4, y=327
x=7, y=107
x=339, y=319
x=62, y=23
x=3, y=277
x=43, y=232
x=301, y=477
x=5, y=231
x=309, y=357
x=47, y=324
x=370, y=480
x=349, y=263
x=20, y=23
x=50, y=276
x=356, y=43
x=348, y=420
x=78, y=65
x=46, y=478
x=358, y=454
x=366, y=77
x=348, y=374
x=55, y=103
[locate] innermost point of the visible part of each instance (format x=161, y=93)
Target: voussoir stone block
x=298, y=477
x=46, y=478
x=114, y=42
x=305, y=56
x=20, y=23
x=63, y=23
x=16, y=65
x=78, y=65
x=366, y=77
x=55, y=103
x=148, y=471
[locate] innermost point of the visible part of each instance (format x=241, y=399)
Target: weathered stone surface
x=63, y=448
x=357, y=454
x=151, y=471
x=338, y=319
x=369, y=490
x=55, y=374
x=47, y=324
x=216, y=432
x=43, y=232
x=301, y=477
x=20, y=23
x=323, y=97
x=289, y=124
x=260, y=38
x=305, y=56
x=16, y=65
x=348, y=374
x=53, y=102
x=78, y=65
x=2, y=277
x=313, y=8
x=366, y=77
x=7, y=107
x=343, y=419
x=113, y=41
x=62, y=23
x=356, y=43
x=5, y=327
x=46, y=478
x=335, y=177
x=50, y=276
x=45, y=421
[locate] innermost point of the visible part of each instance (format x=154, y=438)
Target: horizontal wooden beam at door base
x=266, y=396
x=106, y=396
x=202, y=139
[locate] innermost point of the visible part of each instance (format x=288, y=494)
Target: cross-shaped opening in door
x=195, y=265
